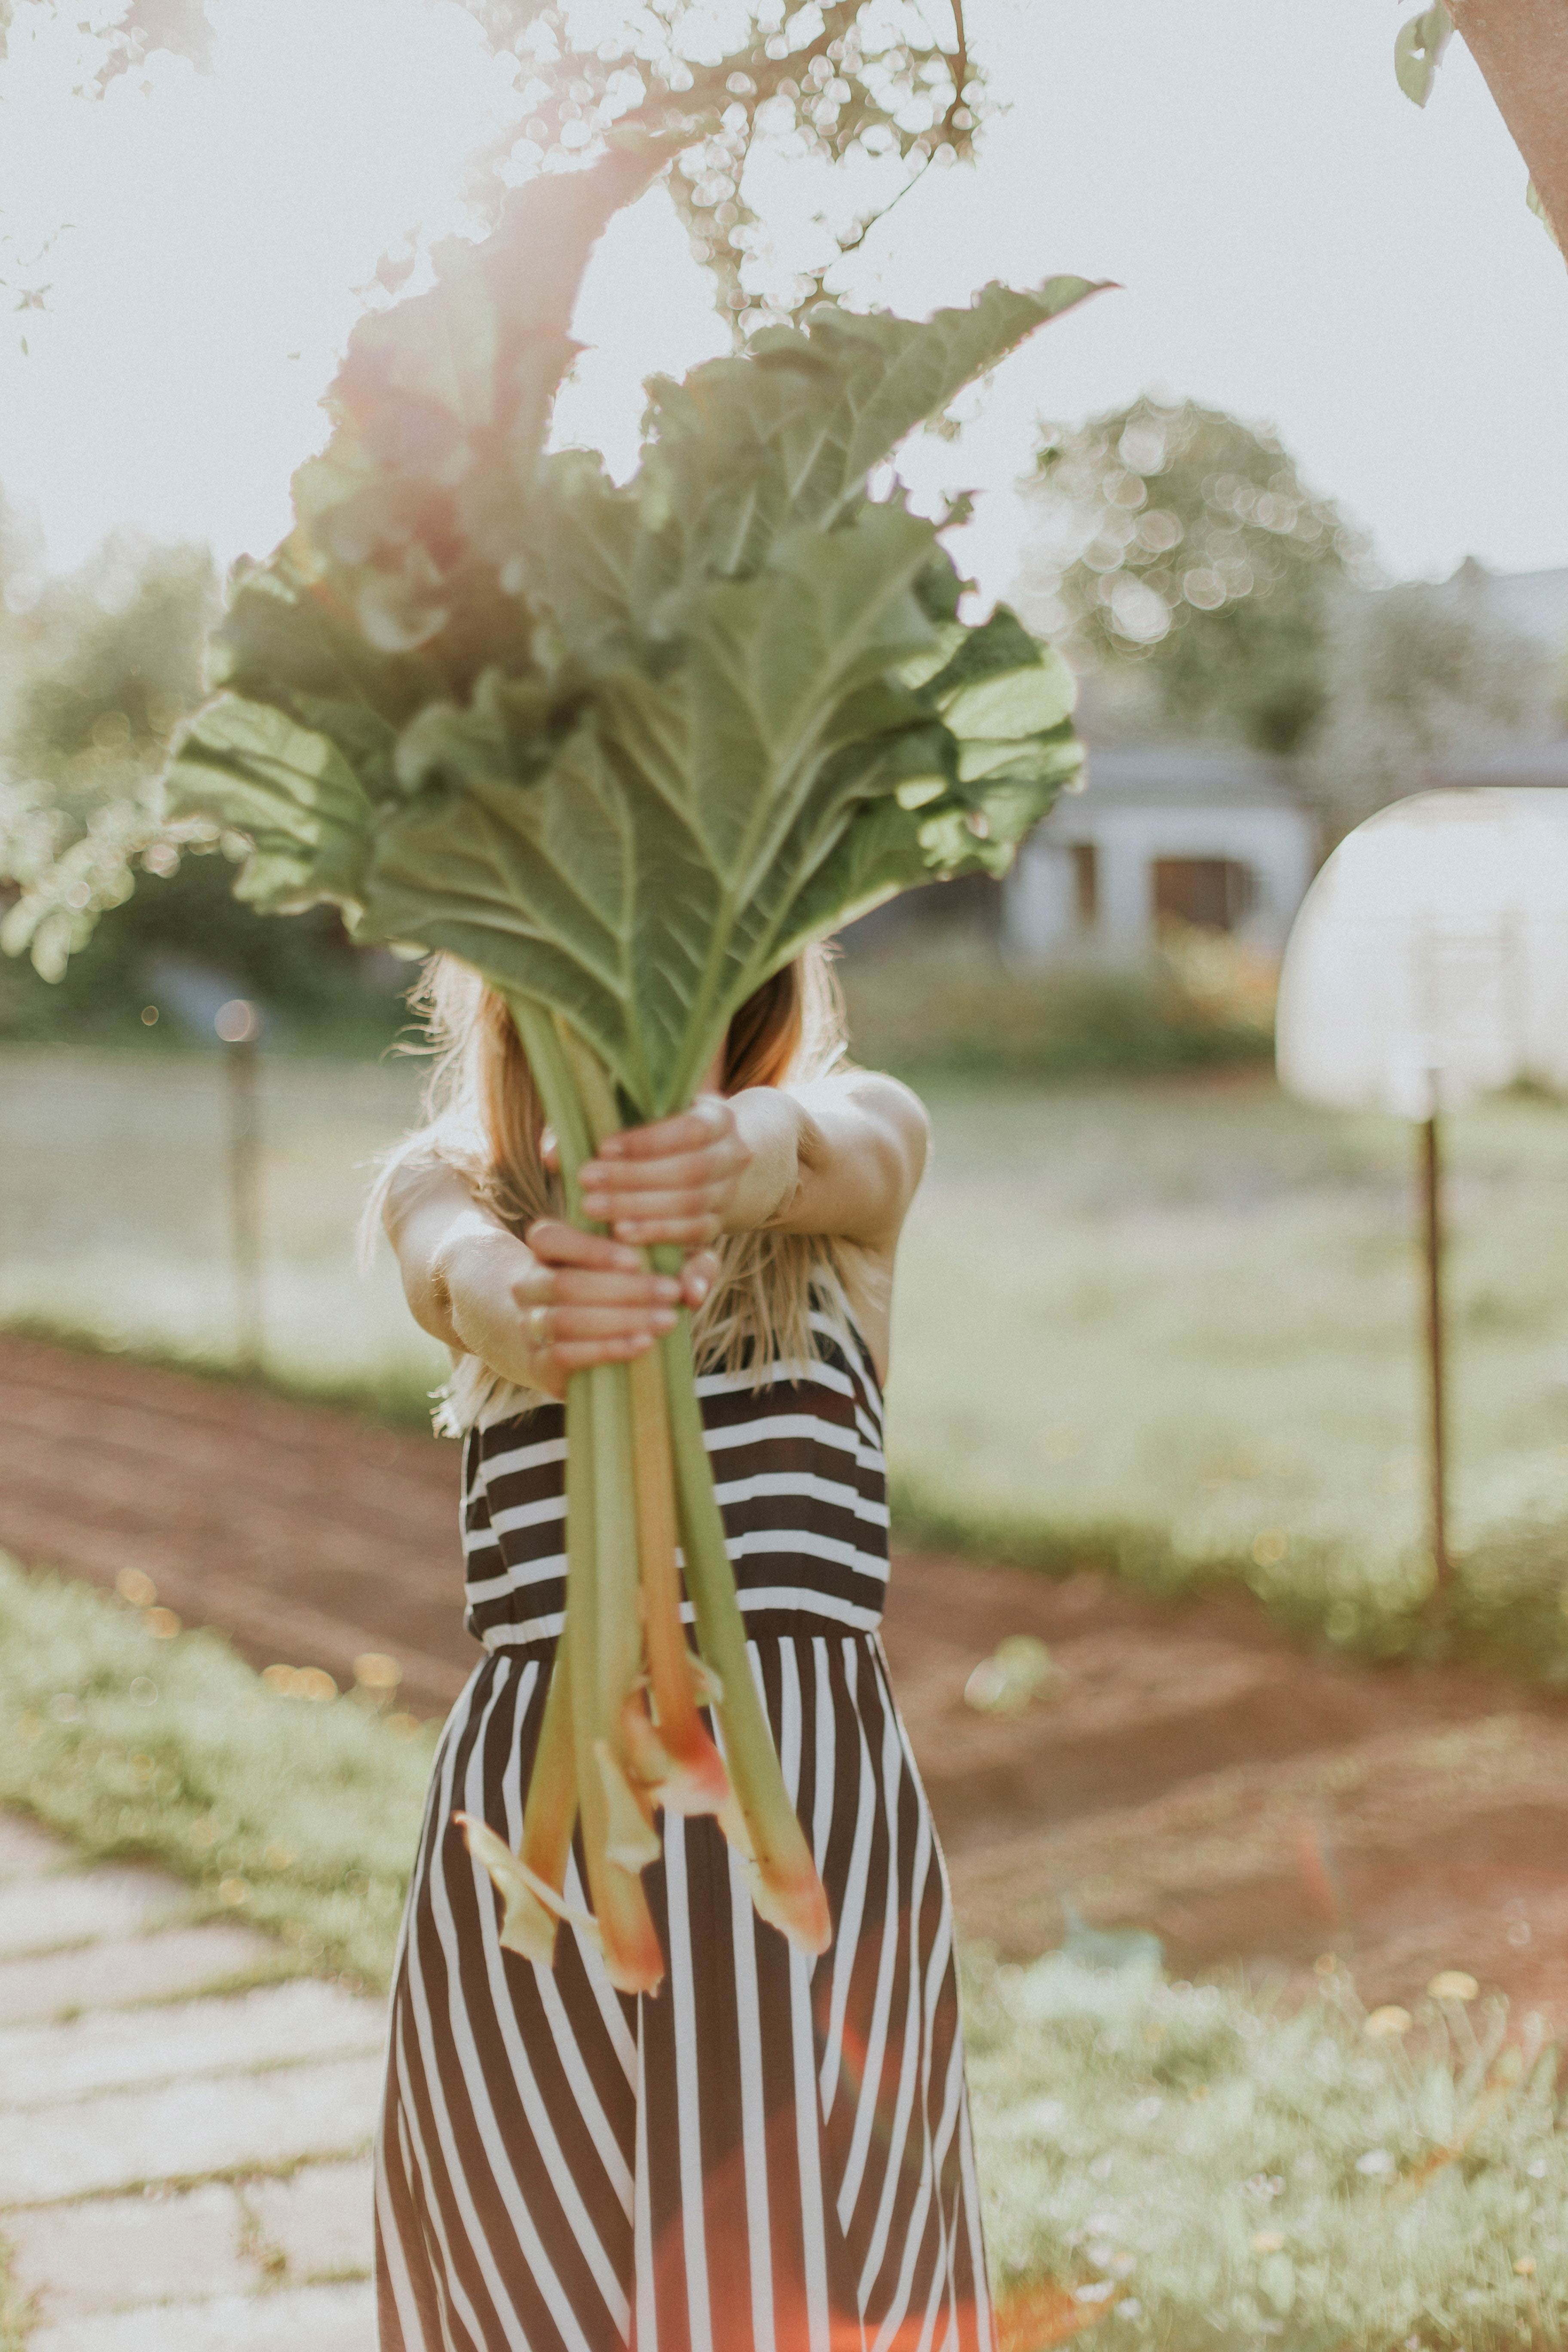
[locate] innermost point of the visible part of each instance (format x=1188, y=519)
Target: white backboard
x=1429, y=961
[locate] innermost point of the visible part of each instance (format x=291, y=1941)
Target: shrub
x=936, y=1009
x=1506, y=1607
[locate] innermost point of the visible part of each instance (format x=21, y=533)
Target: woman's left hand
x=677, y=1181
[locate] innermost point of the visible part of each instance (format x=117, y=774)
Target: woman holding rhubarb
x=675, y=2048
x=772, y=2148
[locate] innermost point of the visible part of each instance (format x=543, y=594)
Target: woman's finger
x=563, y=1324
x=696, y=1230
x=710, y=1118
x=555, y=1242
x=706, y=1172
x=698, y=1276
x=573, y=1357
x=575, y=1286
x=680, y=1201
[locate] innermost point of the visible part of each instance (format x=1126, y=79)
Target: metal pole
x=244, y=1195
x=1432, y=1223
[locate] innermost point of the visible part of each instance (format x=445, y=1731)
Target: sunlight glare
x=202, y=295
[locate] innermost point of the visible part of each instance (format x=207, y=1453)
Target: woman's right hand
x=537, y=1314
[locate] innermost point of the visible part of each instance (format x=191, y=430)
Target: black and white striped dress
x=773, y=2154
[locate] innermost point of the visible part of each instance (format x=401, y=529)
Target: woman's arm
x=840, y=1156
x=533, y=1311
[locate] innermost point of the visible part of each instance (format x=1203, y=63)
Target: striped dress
x=773, y=2153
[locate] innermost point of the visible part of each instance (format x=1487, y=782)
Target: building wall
x=1275, y=843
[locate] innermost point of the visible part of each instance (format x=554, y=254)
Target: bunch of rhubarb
x=625, y=749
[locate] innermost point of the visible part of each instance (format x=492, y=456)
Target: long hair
x=483, y=1115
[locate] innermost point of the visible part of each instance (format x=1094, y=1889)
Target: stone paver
x=229, y=2124
x=114, y=2049
x=319, y=2220
x=157, y=1967
x=110, y=2252
x=305, y=2319
x=43, y=1915
x=124, y=2070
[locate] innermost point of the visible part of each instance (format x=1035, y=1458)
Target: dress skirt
x=771, y=2153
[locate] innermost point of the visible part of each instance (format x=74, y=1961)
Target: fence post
x=1431, y=1234
x=239, y=1025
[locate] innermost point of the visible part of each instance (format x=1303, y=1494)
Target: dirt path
x=1193, y=1773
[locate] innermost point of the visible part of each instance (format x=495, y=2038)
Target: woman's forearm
x=775, y=1128
x=440, y=1234
x=535, y=1311
x=840, y=1155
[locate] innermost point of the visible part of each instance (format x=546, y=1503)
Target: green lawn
x=1198, y=1305
x=114, y=1210
x=1191, y=1306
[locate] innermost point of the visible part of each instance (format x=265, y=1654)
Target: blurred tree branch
x=832, y=78
x=180, y=27
x=843, y=77
x=1521, y=48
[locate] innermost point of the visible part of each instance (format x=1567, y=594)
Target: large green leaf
x=622, y=748
x=290, y=790
x=790, y=432
x=648, y=871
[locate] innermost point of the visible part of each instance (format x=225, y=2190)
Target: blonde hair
x=483, y=1116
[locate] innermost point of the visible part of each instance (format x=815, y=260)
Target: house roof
x=1534, y=603
x=1182, y=775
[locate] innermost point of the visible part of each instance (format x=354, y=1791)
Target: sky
x=1292, y=241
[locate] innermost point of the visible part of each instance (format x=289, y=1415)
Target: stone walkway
x=184, y=2137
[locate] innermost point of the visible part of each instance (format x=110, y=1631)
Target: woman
x=773, y=2154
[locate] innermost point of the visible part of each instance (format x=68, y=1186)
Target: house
x=1208, y=835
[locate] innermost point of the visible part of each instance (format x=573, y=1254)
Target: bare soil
x=1189, y=1770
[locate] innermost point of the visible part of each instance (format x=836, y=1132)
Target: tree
x=97, y=672
x=1416, y=672
x=105, y=665
x=1181, y=558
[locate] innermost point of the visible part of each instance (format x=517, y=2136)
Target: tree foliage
x=1179, y=543
x=1418, y=673
x=104, y=665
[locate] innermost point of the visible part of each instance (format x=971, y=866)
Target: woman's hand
x=537, y=1314
x=681, y=1179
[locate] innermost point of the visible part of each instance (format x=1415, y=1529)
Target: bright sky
x=1294, y=241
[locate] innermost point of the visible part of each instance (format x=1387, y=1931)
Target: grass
x=1505, y=1606
x=1190, y=2164
x=114, y=1214
x=300, y=1816
x=16, y=2310
x=1166, y=2163
x=1196, y=1309
x=1170, y=1327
